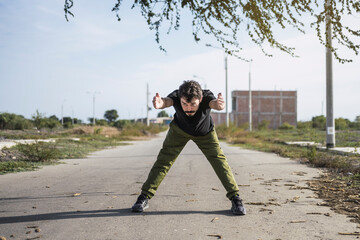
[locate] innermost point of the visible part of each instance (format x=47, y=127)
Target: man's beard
x=190, y=112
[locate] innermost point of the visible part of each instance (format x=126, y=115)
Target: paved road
x=91, y=199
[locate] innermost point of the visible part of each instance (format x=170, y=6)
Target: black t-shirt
x=201, y=123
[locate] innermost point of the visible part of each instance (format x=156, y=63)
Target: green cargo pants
x=174, y=143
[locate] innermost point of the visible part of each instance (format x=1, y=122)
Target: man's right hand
x=158, y=102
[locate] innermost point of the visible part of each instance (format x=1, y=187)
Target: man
x=192, y=121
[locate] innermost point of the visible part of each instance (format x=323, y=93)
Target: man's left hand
x=219, y=103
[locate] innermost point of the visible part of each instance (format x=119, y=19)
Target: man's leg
x=172, y=146
x=209, y=145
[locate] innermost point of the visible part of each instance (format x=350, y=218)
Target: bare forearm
x=214, y=104
x=167, y=102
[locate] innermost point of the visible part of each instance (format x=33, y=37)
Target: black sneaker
x=237, y=206
x=141, y=204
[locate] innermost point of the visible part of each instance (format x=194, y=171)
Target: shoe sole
x=239, y=213
x=140, y=209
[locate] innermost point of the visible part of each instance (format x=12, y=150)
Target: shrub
x=38, y=152
x=101, y=122
x=319, y=122
x=40, y=121
x=311, y=154
x=264, y=125
x=97, y=131
x=121, y=123
x=111, y=115
x=341, y=124
x=51, y=123
x=304, y=125
x=286, y=126
x=163, y=113
x=14, y=122
x=244, y=126
x=226, y=132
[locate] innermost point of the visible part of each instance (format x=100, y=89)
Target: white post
x=94, y=93
x=72, y=116
x=226, y=83
x=330, y=123
x=250, y=99
x=62, y=112
x=147, y=105
x=226, y=90
x=93, y=109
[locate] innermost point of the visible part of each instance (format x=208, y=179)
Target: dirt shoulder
x=340, y=192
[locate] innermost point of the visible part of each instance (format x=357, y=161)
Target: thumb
x=157, y=95
x=219, y=95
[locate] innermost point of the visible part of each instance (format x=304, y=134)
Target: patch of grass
x=17, y=166
x=91, y=138
x=38, y=152
x=80, y=149
x=274, y=141
x=130, y=130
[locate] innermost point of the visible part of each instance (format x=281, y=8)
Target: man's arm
x=161, y=103
x=217, y=104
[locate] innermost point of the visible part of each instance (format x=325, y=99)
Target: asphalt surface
x=91, y=199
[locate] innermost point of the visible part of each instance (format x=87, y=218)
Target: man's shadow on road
x=125, y=212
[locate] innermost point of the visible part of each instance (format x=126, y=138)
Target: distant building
x=158, y=120
x=277, y=107
x=161, y=120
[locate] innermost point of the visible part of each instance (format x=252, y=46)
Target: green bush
x=111, y=115
x=224, y=132
x=97, y=131
x=356, y=123
x=319, y=122
x=38, y=152
x=101, y=122
x=121, y=123
x=16, y=166
x=244, y=126
x=52, y=123
x=264, y=125
x=40, y=121
x=311, y=154
x=163, y=113
x=341, y=124
x=286, y=126
x=14, y=122
x=304, y=125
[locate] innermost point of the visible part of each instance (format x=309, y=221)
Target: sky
x=56, y=67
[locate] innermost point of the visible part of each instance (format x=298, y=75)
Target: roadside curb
x=11, y=143
x=341, y=150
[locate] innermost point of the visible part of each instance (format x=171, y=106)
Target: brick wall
x=277, y=107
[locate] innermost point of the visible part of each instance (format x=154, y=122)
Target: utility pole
x=94, y=93
x=93, y=109
x=62, y=112
x=72, y=116
x=226, y=83
x=330, y=123
x=250, y=99
x=226, y=90
x=147, y=104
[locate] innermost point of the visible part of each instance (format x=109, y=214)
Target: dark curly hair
x=190, y=89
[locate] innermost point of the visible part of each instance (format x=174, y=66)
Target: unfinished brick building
x=277, y=107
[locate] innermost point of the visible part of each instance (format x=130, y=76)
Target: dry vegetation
x=339, y=187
